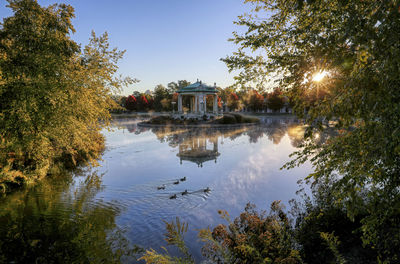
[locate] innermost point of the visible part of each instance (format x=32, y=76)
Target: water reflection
x=195, y=149
x=199, y=145
x=80, y=219
x=59, y=221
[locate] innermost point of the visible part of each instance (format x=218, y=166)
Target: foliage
x=252, y=237
x=161, y=99
x=357, y=44
x=254, y=100
x=161, y=93
x=324, y=231
x=173, y=87
x=227, y=119
x=275, y=100
x=233, y=101
x=52, y=95
x=174, y=236
x=131, y=103
x=235, y=118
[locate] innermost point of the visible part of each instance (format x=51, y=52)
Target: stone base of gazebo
x=197, y=116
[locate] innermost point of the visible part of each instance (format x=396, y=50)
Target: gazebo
x=198, y=92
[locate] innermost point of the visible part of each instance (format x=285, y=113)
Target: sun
x=319, y=76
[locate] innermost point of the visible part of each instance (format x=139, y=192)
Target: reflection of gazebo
x=195, y=150
x=198, y=92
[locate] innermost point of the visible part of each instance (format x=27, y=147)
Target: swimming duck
x=177, y=182
x=183, y=179
x=172, y=196
x=185, y=192
x=207, y=189
x=161, y=187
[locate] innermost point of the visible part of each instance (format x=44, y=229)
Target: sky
x=165, y=40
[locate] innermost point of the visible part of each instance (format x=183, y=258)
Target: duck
x=172, y=196
x=177, y=182
x=185, y=192
x=183, y=179
x=207, y=189
x=161, y=187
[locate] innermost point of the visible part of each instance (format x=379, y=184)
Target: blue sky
x=165, y=40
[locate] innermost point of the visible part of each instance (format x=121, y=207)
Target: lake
x=127, y=198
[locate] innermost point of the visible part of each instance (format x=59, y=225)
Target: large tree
x=356, y=46
x=160, y=96
x=52, y=93
x=173, y=87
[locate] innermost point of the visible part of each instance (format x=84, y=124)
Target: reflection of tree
x=255, y=134
x=274, y=128
x=50, y=224
x=296, y=134
x=276, y=133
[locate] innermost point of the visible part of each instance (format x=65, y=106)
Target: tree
x=160, y=93
x=355, y=45
x=233, y=101
x=173, y=87
x=275, y=100
x=52, y=94
x=131, y=103
x=255, y=100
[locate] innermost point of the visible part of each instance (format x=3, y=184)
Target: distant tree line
x=162, y=98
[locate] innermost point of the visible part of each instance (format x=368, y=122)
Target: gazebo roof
x=198, y=87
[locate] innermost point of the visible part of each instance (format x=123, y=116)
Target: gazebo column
x=179, y=103
x=196, y=103
x=215, y=147
x=201, y=103
x=205, y=104
x=215, y=104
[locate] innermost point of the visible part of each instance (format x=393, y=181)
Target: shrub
x=250, y=119
x=228, y=119
x=325, y=232
x=252, y=237
x=239, y=118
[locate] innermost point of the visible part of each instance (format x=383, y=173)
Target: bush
x=318, y=219
x=239, y=117
x=250, y=119
x=228, y=119
x=160, y=120
x=252, y=237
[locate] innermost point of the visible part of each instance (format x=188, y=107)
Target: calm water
x=92, y=212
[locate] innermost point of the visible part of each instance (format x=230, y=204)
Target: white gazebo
x=198, y=92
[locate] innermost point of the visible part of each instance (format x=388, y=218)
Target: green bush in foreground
x=52, y=93
x=252, y=237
